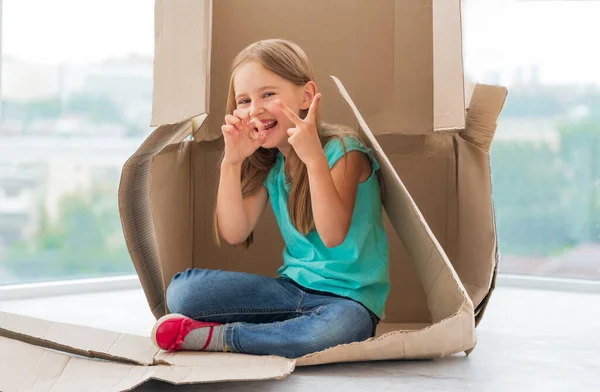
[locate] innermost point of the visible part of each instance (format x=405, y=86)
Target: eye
x=243, y=101
x=266, y=95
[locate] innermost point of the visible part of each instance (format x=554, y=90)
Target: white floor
x=528, y=341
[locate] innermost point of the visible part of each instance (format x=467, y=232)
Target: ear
x=308, y=94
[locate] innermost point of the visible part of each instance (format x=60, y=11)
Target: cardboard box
x=400, y=64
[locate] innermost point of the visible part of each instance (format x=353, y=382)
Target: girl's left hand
x=304, y=138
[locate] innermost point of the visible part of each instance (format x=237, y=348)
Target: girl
x=325, y=192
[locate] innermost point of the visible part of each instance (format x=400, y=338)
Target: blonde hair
x=287, y=60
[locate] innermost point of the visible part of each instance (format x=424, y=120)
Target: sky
x=76, y=31
x=560, y=37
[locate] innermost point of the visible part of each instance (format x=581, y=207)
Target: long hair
x=287, y=60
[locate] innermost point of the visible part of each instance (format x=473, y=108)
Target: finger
x=262, y=137
x=312, y=110
x=292, y=131
x=228, y=129
x=231, y=119
x=289, y=113
x=235, y=121
x=291, y=139
x=243, y=115
x=258, y=125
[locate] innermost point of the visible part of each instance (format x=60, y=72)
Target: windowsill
x=548, y=283
x=131, y=282
x=69, y=287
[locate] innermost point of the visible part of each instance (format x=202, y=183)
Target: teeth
x=267, y=125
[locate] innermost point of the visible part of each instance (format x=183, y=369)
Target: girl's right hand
x=241, y=139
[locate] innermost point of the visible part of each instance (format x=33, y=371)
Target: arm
x=237, y=216
x=333, y=194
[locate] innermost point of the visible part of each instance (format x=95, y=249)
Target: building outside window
x=76, y=103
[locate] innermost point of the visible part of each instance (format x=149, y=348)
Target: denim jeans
x=269, y=316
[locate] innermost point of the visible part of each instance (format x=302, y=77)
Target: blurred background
x=75, y=103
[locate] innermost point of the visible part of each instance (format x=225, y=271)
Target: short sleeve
x=334, y=150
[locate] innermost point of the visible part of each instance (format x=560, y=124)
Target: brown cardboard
x=442, y=305
x=434, y=160
x=32, y=367
x=449, y=328
x=90, y=342
x=418, y=42
x=448, y=80
x=446, y=173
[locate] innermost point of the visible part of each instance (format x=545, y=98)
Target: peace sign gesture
x=304, y=138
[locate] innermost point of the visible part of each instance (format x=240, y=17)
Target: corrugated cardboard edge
x=136, y=213
x=480, y=310
x=484, y=105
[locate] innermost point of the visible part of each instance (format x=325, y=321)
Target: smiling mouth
x=268, y=125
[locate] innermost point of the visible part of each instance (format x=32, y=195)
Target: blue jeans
x=269, y=316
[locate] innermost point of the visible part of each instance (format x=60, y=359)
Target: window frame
x=132, y=282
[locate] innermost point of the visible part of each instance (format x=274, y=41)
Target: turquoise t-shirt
x=357, y=268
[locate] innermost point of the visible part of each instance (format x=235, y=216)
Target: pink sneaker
x=171, y=329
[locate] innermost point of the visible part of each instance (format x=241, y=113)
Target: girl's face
x=257, y=89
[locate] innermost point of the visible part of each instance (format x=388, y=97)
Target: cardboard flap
x=182, y=38
x=477, y=244
x=171, y=206
x=200, y=129
x=33, y=368
x=136, y=214
x=224, y=369
x=416, y=42
x=448, y=81
x=252, y=366
x=482, y=117
x=482, y=306
x=443, y=289
x=449, y=336
x=78, y=339
x=475, y=253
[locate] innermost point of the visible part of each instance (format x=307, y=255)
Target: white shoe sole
x=159, y=323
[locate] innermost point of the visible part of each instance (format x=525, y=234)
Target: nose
x=256, y=109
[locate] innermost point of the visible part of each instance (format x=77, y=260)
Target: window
x=546, y=153
x=75, y=104
x=76, y=99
